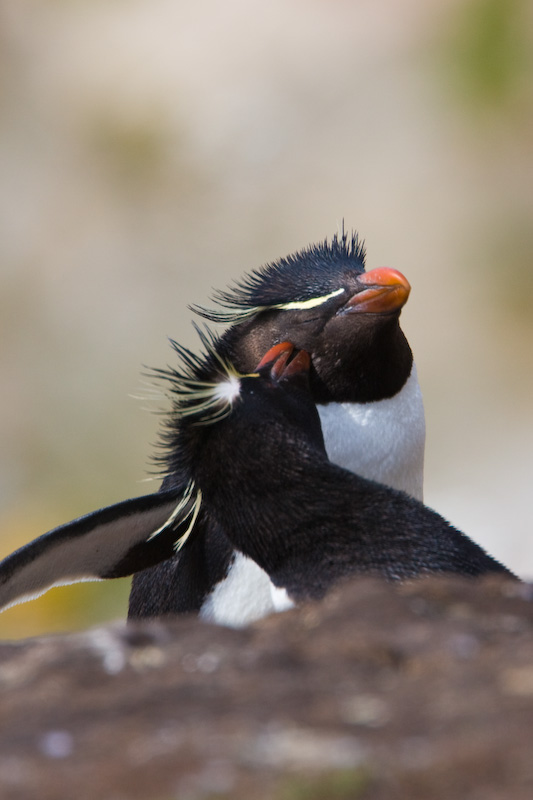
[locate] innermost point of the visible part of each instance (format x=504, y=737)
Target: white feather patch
x=228, y=390
x=244, y=596
x=280, y=598
x=383, y=441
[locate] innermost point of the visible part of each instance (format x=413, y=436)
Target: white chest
x=243, y=596
x=383, y=441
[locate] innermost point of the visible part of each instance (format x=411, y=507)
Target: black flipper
x=112, y=542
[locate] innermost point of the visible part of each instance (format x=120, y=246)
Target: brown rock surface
x=422, y=691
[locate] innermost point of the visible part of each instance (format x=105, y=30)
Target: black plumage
x=322, y=301
x=305, y=521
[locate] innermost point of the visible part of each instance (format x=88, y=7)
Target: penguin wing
x=112, y=542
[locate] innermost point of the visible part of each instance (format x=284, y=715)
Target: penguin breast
x=242, y=597
x=382, y=440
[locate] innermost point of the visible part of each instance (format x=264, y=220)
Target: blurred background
x=151, y=150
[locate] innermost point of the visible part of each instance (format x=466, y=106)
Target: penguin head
x=322, y=301
x=222, y=419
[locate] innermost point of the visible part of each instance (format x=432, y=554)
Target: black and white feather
x=134, y=534
x=109, y=543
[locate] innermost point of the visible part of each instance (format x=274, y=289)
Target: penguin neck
x=381, y=440
x=244, y=490
x=362, y=365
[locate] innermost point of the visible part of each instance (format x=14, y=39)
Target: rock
x=412, y=692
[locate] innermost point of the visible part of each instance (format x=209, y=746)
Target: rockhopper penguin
x=304, y=520
x=363, y=379
x=282, y=503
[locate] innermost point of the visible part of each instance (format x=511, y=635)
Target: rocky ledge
x=378, y=692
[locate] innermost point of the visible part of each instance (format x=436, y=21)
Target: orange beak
x=279, y=356
x=384, y=290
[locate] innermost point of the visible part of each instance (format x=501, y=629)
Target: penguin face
x=322, y=301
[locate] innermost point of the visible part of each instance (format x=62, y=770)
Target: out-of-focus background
x=154, y=149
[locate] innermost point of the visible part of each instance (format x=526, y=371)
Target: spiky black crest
x=316, y=271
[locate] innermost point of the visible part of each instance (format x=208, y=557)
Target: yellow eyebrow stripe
x=238, y=314
x=302, y=305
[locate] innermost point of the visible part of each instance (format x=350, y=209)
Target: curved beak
x=383, y=290
x=277, y=358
